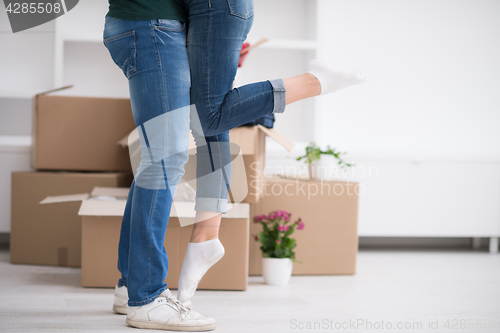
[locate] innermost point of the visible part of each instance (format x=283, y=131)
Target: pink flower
x=256, y=238
x=287, y=228
x=260, y=218
x=278, y=241
x=281, y=228
x=301, y=226
x=282, y=235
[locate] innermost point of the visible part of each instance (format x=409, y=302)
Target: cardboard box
x=329, y=242
x=51, y=234
x=80, y=133
x=101, y=223
x=247, y=173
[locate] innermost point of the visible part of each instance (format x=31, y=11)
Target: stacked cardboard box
x=74, y=149
x=80, y=134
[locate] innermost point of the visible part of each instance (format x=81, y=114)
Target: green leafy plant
x=313, y=153
x=275, y=235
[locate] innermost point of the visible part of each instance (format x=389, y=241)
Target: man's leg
x=153, y=56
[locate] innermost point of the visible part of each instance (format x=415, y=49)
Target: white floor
x=459, y=291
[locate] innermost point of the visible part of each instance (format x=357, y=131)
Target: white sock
x=332, y=80
x=199, y=258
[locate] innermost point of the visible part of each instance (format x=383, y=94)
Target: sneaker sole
x=123, y=310
x=170, y=327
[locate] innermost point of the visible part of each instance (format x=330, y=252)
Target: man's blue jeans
x=153, y=56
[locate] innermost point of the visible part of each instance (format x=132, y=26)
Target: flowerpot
x=277, y=271
x=326, y=168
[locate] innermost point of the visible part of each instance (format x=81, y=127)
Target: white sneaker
x=167, y=313
x=120, y=303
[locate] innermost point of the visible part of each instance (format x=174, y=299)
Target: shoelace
x=183, y=310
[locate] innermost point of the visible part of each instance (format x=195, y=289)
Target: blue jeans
x=153, y=56
x=216, y=32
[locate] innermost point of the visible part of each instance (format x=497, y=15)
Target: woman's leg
x=301, y=87
x=217, y=30
x=213, y=172
x=153, y=56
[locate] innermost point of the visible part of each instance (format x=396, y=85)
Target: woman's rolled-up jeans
x=216, y=32
x=153, y=56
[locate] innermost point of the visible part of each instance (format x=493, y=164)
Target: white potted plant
x=323, y=164
x=277, y=246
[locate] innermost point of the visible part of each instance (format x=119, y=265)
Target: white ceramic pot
x=277, y=271
x=326, y=168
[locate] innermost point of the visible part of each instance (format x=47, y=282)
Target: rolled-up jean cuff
x=279, y=93
x=211, y=205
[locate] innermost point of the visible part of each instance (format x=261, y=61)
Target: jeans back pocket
x=241, y=8
x=121, y=47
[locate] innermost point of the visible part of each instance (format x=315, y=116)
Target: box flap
x=102, y=208
x=118, y=192
x=277, y=137
x=65, y=198
x=129, y=138
x=54, y=90
x=179, y=209
x=246, y=138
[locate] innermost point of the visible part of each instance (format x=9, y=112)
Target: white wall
x=433, y=76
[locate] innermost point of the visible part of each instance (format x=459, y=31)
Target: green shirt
x=148, y=10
